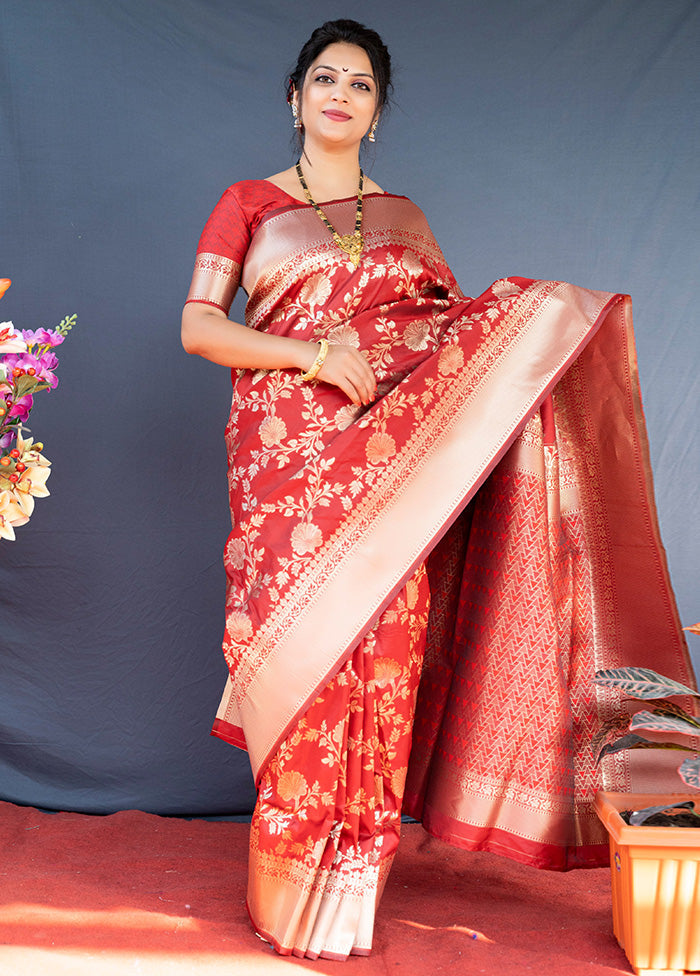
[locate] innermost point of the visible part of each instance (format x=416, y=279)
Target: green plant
x=661, y=717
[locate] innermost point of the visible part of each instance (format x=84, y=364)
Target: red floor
x=136, y=893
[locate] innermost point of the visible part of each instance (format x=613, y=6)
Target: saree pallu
x=506, y=451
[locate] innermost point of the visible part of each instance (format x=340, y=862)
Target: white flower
x=345, y=335
x=273, y=430
x=235, y=553
x=504, y=288
x=416, y=335
x=411, y=262
x=346, y=415
x=10, y=341
x=238, y=627
x=315, y=291
x=305, y=538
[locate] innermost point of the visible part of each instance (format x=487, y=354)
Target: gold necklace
x=353, y=243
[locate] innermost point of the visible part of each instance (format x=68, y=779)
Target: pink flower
x=273, y=430
x=305, y=538
x=292, y=785
x=21, y=407
x=416, y=335
x=451, y=360
x=345, y=335
x=504, y=288
x=315, y=291
x=411, y=263
x=238, y=627
x=42, y=365
x=346, y=415
x=386, y=670
x=380, y=447
x=235, y=553
x=42, y=337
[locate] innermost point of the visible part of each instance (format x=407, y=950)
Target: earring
x=295, y=113
x=373, y=131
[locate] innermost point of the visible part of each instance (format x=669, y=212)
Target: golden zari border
x=215, y=280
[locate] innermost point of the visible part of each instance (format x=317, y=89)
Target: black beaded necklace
x=353, y=243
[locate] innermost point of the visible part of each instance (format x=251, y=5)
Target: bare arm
x=207, y=332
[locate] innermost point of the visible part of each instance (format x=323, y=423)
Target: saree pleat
x=327, y=821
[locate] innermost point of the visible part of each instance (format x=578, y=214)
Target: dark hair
x=346, y=32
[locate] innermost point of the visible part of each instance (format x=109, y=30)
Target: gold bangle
x=312, y=373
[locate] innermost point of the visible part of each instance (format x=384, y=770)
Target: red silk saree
x=506, y=455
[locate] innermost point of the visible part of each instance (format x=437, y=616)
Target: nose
x=339, y=95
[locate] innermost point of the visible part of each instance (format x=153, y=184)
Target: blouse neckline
x=327, y=203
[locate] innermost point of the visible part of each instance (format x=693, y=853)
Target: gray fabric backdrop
x=541, y=138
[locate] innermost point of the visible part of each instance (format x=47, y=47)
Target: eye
x=326, y=79
x=361, y=85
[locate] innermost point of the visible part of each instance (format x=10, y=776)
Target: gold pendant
x=352, y=244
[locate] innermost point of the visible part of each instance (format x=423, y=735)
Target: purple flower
x=7, y=439
x=42, y=365
x=42, y=337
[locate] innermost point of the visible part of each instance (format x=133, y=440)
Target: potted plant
x=654, y=839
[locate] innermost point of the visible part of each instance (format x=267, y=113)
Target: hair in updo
x=346, y=32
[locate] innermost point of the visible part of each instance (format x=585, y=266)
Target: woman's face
x=339, y=96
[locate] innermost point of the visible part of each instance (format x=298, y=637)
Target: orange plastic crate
x=655, y=875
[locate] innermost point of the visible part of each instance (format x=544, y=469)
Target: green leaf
x=628, y=741
x=28, y=384
x=608, y=731
x=642, y=683
x=689, y=772
x=663, y=707
x=651, y=722
x=633, y=741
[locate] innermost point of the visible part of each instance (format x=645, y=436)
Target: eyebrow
x=355, y=74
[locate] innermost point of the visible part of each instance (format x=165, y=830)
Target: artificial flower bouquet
x=27, y=364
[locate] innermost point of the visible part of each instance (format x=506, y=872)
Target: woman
x=422, y=486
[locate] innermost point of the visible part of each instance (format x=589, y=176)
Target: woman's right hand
x=208, y=332
x=348, y=369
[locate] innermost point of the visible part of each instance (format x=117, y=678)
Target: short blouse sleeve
x=220, y=254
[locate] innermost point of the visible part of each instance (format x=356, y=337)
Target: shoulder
x=371, y=186
x=251, y=194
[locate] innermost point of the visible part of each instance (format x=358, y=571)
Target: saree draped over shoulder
x=481, y=538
